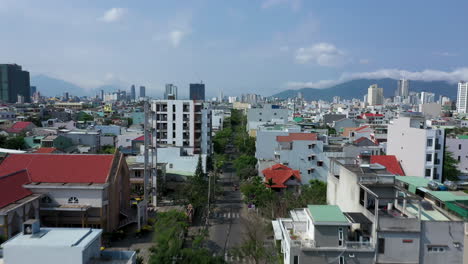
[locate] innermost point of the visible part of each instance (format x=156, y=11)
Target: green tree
x=244, y=161
x=199, y=170
x=107, y=150
x=450, y=170
x=14, y=143
x=252, y=247
x=82, y=116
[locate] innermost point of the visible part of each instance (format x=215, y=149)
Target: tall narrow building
x=132, y=93
x=403, y=88
x=13, y=82
x=462, y=98
x=375, y=95
x=142, y=91
x=171, y=92
x=197, y=91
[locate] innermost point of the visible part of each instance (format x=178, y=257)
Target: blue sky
x=240, y=46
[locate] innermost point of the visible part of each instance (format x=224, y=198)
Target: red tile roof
x=45, y=150
x=372, y=115
x=359, y=140
x=390, y=162
x=18, y=127
x=297, y=136
x=361, y=128
x=140, y=138
x=60, y=168
x=11, y=187
x=280, y=174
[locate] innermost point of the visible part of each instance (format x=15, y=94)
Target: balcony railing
x=358, y=245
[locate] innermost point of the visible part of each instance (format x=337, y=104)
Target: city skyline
x=266, y=46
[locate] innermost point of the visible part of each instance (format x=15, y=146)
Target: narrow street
x=225, y=226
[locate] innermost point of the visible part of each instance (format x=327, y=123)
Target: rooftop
x=390, y=162
x=56, y=237
x=60, y=168
x=297, y=136
x=11, y=187
x=330, y=214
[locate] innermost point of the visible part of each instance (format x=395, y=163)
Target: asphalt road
x=225, y=227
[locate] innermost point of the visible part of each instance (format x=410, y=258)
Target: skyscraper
x=403, y=88
x=13, y=82
x=197, y=91
x=33, y=90
x=375, y=95
x=142, y=91
x=102, y=95
x=132, y=93
x=171, y=92
x=462, y=98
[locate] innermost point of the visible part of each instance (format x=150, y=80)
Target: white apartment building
x=418, y=147
x=375, y=95
x=183, y=123
x=462, y=98
x=403, y=88
x=267, y=114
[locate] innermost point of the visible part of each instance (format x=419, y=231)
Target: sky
x=242, y=46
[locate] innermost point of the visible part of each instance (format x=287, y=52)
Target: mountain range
x=358, y=88
x=50, y=86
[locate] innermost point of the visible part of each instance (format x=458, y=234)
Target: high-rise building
x=132, y=93
x=33, y=90
x=197, y=91
x=462, y=98
x=171, y=92
x=427, y=98
x=403, y=88
x=142, y=91
x=102, y=95
x=183, y=123
x=66, y=96
x=375, y=95
x=13, y=82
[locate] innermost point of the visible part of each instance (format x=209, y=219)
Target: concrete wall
x=444, y=234
x=60, y=196
x=330, y=256
x=409, y=144
x=327, y=236
x=46, y=254
x=400, y=247
x=265, y=143
x=459, y=149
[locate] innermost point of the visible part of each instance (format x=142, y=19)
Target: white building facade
x=419, y=148
x=183, y=123
x=462, y=98
x=375, y=95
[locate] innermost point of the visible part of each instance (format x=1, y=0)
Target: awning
x=277, y=230
x=358, y=218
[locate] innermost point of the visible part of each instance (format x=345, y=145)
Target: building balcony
x=376, y=179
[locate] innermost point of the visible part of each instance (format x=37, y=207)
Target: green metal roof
x=462, y=136
x=327, y=213
x=447, y=196
x=298, y=119
x=414, y=182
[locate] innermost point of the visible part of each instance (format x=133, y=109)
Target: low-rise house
x=60, y=245
x=282, y=177
x=20, y=128
x=88, y=138
x=16, y=203
x=77, y=190
x=59, y=142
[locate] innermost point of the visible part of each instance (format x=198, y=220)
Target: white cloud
x=364, y=61
x=445, y=54
x=176, y=37
x=113, y=14
x=425, y=75
x=294, y=4
x=324, y=54
x=284, y=48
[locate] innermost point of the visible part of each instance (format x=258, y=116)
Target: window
x=320, y=163
x=311, y=146
x=435, y=249
x=274, y=114
x=73, y=200
x=310, y=171
x=429, y=142
x=458, y=158
x=340, y=237
x=381, y=246
x=170, y=165
x=428, y=172
x=311, y=157
x=342, y=260
x=296, y=259
x=429, y=157
x=46, y=199
x=260, y=120
x=459, y=146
